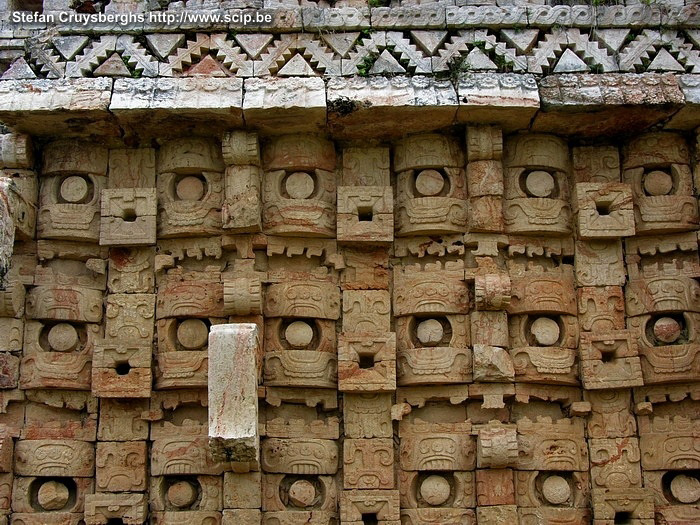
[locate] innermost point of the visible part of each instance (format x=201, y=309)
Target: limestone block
x=183, y=497
x=241, y=516
x=448, y=292
x=419, y=102
x=365, y=214
x=552, y=490
x=132, y=168
x=317, y=494
x=547, y=292
x=436, y=446
x=202, y=103
x=601, y=308
x=611, y=414
x=189, y=200
x=70, y=458
x=131, y=508
x=121, y=467
x=486, y=214
x=496, y=445
x=9, y=371
x=240, y=148
x=13, y=330
x=610, y=360
x=242, y=205
x=666, y=353
x=243, y=296
x=56, y=499
x=433, y=349
x=615, y=463
x=495, y=487
x=497, y=514
x=492, y=364
x=656, y=165
x=69, y=206
x=368, y=463
x=64, y=157
x=603, y=210
x=596, y=164
x=300, y=455
x=448, y=492
x=286, y=415
x=507, y=99
x=63, y=361
x=109, y=382
x=492, y=291
x=130, y=318
x=20, y=194
x=367, y=415
x=300, y=368
x=303, y=299
x=662, y=438
x=242, y=490
x=120, y=420
x=599, y=263
x=234, y=355
x=128, y=217
x=431, y=186
x=382, y=503
x=366, y=166
x=637, y=503
x=299, y=104
x=16, y=151
x=664, y=293
x=485, y=143
x=366, y=268
x=366, y=312
x=190, y=298
x=183, y=454
x=485, y=177
x=537, y=440
x=299, y=187
x=366, y=363
x=489, y=328
x=536, y=171
x=131, y=270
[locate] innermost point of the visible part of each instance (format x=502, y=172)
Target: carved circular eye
x=685, y=489
x=435, y=490
x=63, y=337
x=192, y=333
x=657, y=182
x=667, y=329
x=539, y=183
x=430, y=183
x=556, y=490
x=299, y=185
x=74, y=189
x=430, y=332
x=53, y=495
x=302, y=493
x=181, y=494
x=299, y=334
x=545, y=330
x=190, y=188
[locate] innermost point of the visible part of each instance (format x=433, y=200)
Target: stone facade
x=415, y=263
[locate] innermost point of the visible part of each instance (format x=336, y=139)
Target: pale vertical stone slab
x=234, y=357
x=7, y=231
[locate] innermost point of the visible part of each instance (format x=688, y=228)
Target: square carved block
x=604, y=210
x=365, y=214
x=128, y=217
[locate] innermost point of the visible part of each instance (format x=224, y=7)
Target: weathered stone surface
x=234, y=361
